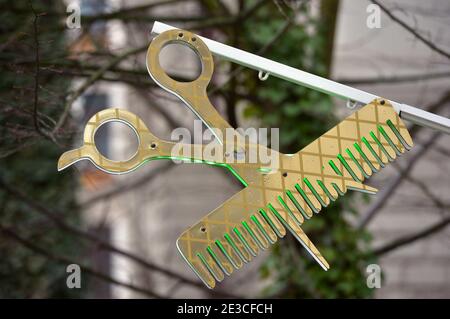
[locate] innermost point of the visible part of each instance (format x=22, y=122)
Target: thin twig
x=387, y=192
x=425, y=41
x=408, y=239
x=54, y=216
x=122, y=189
x=95, y=77
x=9, y=232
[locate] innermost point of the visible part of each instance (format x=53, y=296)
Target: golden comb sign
x=277, y=198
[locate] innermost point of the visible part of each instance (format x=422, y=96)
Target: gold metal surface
x=275, y=197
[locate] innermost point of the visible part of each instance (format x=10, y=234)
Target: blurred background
x=63, y=61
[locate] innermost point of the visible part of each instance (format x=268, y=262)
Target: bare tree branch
x=425, y=41
x=9, y=232
x=95, y=77
x=388, y=191
x=121, y=189
x=54, y=216
x=408, y=239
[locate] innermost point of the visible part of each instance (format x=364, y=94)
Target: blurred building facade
x=148, y=218
x=421, y=269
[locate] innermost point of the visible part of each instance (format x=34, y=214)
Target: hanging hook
x=352, y=104
x=263, y=75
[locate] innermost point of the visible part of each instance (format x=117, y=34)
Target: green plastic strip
x=366, y=142
x=297, y=204
x=356, y=163
x=261, y=229
x=348, y=168
x=338, y=190
x=226, y=254
x=335, y=168
x=270, y=222
x=364, y=156
x=305, y=197
x=244, y=241
x=252, y=234
x=388, y=139
x=206, y=264
x=397, y=133
x=235, y=247
x=313, y=190
x=216, y=259
x=381, y=146
x=283, y=203
x=326, y=191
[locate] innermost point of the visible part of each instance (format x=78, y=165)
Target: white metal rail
x=253, y=61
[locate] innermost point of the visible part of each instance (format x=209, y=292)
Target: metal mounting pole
x=269, y=67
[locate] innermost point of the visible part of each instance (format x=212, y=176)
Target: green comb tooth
x=297, y=204
x=286, y=207
x=325, y=190
x=348, y=168
x=216, y=259
x=244, y=241
x=397, y=133
x=364, y=156
x=315, y=193
x=305, y=198
x=208, y=266
x=366, y=142
x=335, y=168
x=356, y=163
x=381, y=146
x=227, y=255
x=261, y=229
x=338, y=190
x=235, y=248
x=388, y=139
x=270, y=222
x=253, y=235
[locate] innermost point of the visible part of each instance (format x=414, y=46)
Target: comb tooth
x=273, y=222
x=301, y=206
x=238, y=247
x=372, y=152
x=293, y=213
x=211, y=265
x=253, y=230
x=195, y=263
x=358, y=164
x=387, y=152
x=399, y=135
x=338, y=189
x=359, y=187
x=229, y=253
x=246, y=239
x=349, y=168
x=330, y=192
x=223, y=263
x=300, y=235
x=310, y=201
x=264, y=228
x=318, y=194
x=386, y=136
x=374, y=166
